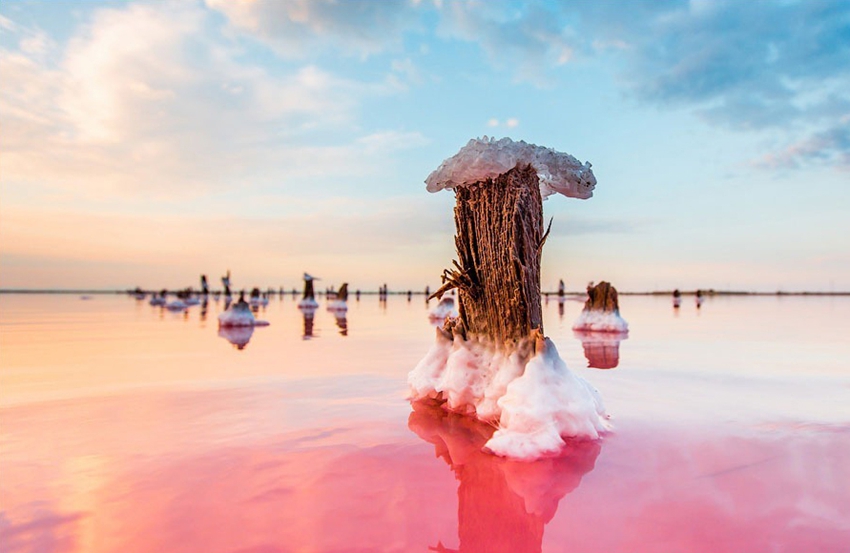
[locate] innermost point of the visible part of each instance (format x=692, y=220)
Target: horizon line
x=289, y=291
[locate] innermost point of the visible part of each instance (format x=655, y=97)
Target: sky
x=145, y=143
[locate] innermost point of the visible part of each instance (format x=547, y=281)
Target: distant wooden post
x=602, y=297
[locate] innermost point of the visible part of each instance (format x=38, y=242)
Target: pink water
x=125, y=428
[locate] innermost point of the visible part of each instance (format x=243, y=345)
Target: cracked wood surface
x=499, y=239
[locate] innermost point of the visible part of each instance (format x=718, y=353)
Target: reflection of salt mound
x=483, y=159
x=176, y=305
x=443, y=310
x=602, y=349
x=601, y=321
x=535, y=403
x=239, y=336
x=503, y=504
x=239, y=314
x=337, y=306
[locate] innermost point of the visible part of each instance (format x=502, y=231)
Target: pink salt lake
x=126, y=428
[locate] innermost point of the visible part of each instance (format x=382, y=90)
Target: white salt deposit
x=239, y=314
x=487, y=158
x=337, y=305
x=600, y=321
x=545, y=404
x=307, y=308
x=443, y=310
x=176, y=305
x=535, y=406
x=259, y=302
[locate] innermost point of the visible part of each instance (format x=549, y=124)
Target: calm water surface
x=124, y=427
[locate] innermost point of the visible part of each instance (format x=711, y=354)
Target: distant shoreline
x=705, y=293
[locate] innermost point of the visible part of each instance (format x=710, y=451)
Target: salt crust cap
x=486, y=158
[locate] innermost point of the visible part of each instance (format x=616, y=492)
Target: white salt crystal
x=487, y=158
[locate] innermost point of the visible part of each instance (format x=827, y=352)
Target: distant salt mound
x=340, y=306
x=487, y=158
x=177, y=305
x=239, y=314
x=601, y=312
x=601, y=321
x=308, y=303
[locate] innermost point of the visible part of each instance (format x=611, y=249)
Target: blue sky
x=148, y=142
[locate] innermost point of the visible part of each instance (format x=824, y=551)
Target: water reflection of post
x=239, y=336
x=204, y=305
x=602, y=349
x=309, y=313
x=342, y=322
x=339, y=308
x=503, y=505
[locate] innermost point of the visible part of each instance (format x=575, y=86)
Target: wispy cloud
x=297, y=28
x=743, y=65
x=511, y=122
x=143, y=100
x=830, y=147
x=523, y=39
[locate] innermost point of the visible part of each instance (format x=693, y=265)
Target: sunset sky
x=145, y=143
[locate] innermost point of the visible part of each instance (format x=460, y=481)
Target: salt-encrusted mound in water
x=601, y=312
x=536, y=403
x=337, y=305
x=239, y=314
x=601, y=321
x=308, y=303
x=486, y=158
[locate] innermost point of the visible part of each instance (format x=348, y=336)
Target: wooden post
x=602, y=297
x=499, y=239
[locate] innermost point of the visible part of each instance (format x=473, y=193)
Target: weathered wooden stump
x=499, y=240
x=602, y=297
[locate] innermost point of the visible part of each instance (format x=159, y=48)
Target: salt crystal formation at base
x=534, y=403
x=600, y=321
x=492, y=361
x=443, y=310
